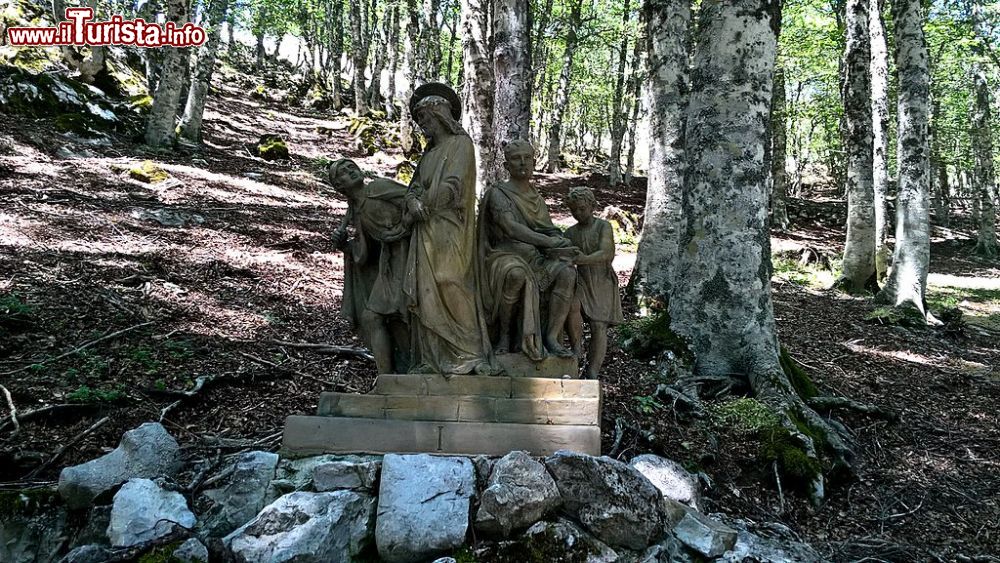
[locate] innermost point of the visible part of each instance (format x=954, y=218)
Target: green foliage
x=648, y=404
x=272, y=147
x=371, y=135
x=27, y=502
x=14, y=311
x=896, y=316
x=86, y=395
x=143, y=359
x=648, y=336
x=162, y=554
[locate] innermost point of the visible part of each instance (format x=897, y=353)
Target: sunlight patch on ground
x=258, y=192
x=903, y=355
x=978, y=298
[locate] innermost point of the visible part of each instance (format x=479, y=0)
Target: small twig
x=830, y=403
x=167, y=409
x=781, y=494
x=217, y=477
x=619, y=433
x=295, y=372
x=80, y=348
x=324, y=348
x=199, y=479
x=59, y=453
x=13, y=410
x=33, y=414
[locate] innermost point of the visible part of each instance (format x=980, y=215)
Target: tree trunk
x=390, y=101
x=259, y=52
x=202, y=80
x=411, y=71
x=161, y=122
x=635, y=88
x=478, y=90
x=359, y=56
x=779, y=175
x=907, y=283
x=618, y=105
x=939, y=169
x=562, y=95
x=511, y=71
x=983, y=173
x=231, y=29
x=667, y=23
x=859, y=251
x=336, y=21
x=721, y=301
x=381, y=50
x=880, y=136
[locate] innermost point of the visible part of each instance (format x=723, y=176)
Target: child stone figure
x=597, y=298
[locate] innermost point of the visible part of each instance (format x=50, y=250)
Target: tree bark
x=983, y=173
x=859, y=251
x=907, y=283
x=478, y=90
x=411, y=71
x=336, y=21
x=431, y=39
x=390, y=101
x=618, y=105
x=359, y=55
x=381, y=50
x=562, y=95
x=161, y=122
x=635, y=87
x=511, y=71
x=721, y=301
x=201, y=82
x=779, y=175
x=880, y=136
x=939, y=168
x=667, y=24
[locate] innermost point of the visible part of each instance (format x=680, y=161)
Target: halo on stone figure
x=437, y=89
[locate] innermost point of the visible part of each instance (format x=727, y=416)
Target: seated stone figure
x=597, y=298
x=524, y=259
x=374, y=262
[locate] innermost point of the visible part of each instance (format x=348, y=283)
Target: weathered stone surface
x=669, y=550
x=95, y=530
x=311, y=435
x=519, y=493
x=90, y=553
x=32, y=523
x=241, y=497
x=519, y=365
x=423, y=506
x=349, y=474
x=192, y=551
x=564, y=541
x=611, y=499
x=145, y=452
x=767, y=543
x=297, y=474
x=670, y=477
x=708, y=537
x=306, y=527
x=143, y=511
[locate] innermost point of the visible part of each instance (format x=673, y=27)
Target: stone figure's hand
x=559, y=242
x=340, y=238
x=416, y=209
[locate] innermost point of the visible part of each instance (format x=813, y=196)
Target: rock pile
x=396, y=508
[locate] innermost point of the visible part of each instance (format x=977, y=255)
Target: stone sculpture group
x=434, y=288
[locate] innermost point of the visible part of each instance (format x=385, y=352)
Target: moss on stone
x=745, y=415
x=794, y=464
x=149, y=172
x=897, y=316
x=647, y=337
x=272, y=147
x=162, y=554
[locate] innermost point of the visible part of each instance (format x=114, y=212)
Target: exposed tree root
x=831, y=403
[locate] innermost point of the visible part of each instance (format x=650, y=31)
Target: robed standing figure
x=447, y=328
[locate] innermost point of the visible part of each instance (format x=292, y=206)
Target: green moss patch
x=272, y=147
x=800, y=380
x=149, y=172
x=647, y=337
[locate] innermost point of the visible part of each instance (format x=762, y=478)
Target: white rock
x=423, y=506
x=351, y=474
x=143, y=511
x=306, y=527
x=670, y=477
x=145, y=452
x=519, y=493
x=709, y=537
x=564, y=541
x=241, y=497
x=611, y=499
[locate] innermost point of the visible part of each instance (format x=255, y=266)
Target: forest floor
x=210, y=271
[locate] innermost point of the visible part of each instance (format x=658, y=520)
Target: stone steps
x=456, y=415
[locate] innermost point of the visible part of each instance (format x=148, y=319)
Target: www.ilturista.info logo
x=80, y=31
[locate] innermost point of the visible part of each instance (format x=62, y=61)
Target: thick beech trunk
x=562, y=95
x=194, y=109
x=478, y=90
x=511, y=71
x=907, y=283
x=161, y=122
x=666, y=90
x=411, y=70
x=336, y=18
x=618, y=106
x=859, y=251
x=390, y=101
x=880, y=136
x=779, y=175
x=721, y=301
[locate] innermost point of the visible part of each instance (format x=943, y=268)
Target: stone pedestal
x=461, y=414
x=518, y=365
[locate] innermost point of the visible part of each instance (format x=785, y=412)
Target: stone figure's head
x=437, y=108
x=519, y=159
x=581, y=202
x=345, y=176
